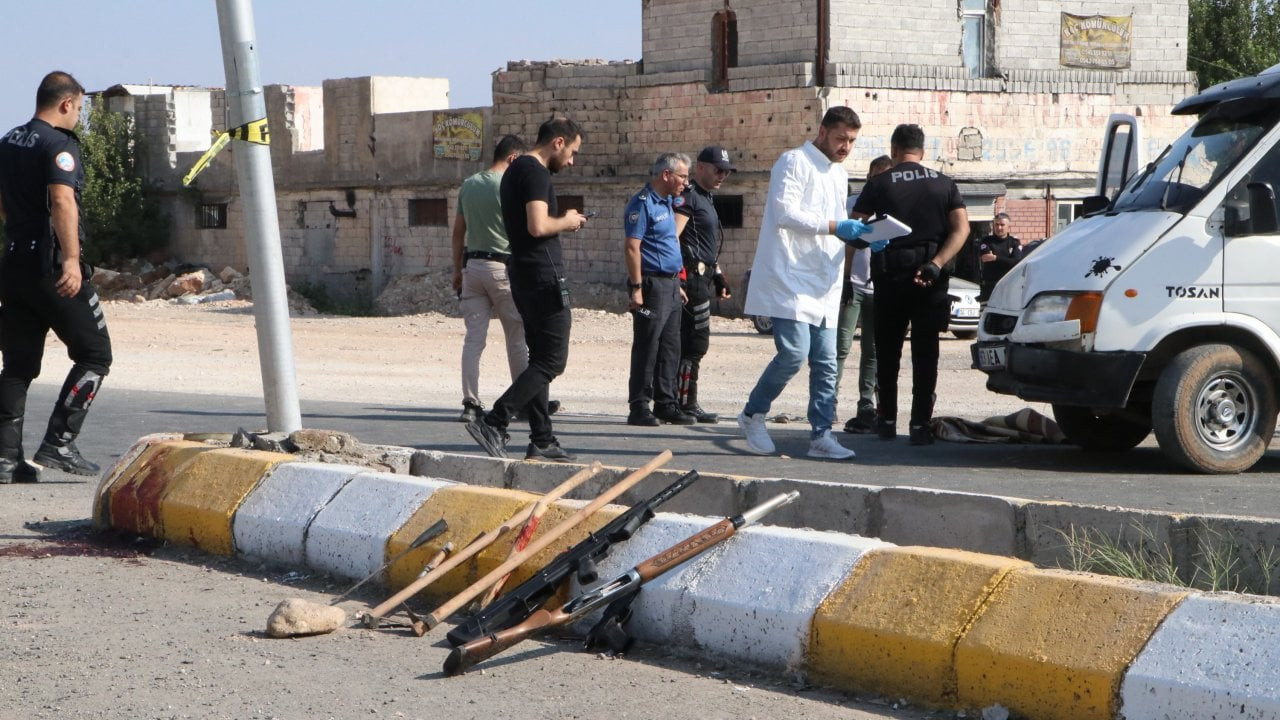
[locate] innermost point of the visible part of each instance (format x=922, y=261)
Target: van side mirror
x=1094, y=204
x=1262, y=208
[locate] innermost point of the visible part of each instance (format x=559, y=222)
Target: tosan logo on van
x=1194, y=292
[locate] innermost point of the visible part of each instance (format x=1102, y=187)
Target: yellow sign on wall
x=458, y=136
x=1096, y=41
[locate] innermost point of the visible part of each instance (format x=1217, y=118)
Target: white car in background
x=965, y=309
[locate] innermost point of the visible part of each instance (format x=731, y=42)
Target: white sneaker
x=758, y=440
x=826, y=446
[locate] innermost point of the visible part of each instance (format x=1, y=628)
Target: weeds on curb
x=1218, y=563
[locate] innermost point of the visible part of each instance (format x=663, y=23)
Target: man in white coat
x=795, y=279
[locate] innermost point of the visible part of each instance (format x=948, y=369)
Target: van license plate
x=991, y=358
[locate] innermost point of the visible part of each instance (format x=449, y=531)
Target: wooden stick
x=462, y=598
x=480, y=543
x=522, y=542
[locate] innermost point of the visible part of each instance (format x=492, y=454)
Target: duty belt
x=483, y=255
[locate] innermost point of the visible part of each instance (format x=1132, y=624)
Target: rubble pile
x=432, y=291
x=140, y=281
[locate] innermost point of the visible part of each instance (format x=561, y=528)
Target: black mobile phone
x=589, y=214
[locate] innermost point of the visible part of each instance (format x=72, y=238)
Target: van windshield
x=1186, y=170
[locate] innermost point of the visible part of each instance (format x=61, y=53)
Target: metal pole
x=245, y=103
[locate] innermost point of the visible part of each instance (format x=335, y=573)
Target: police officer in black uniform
x=909, y=275
x=701, y=237
x=44, y=284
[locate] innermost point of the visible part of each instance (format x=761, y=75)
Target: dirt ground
x=212, y=349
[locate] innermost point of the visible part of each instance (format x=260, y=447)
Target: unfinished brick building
x=1012, y=94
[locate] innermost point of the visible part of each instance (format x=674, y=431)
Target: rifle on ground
x=525, y=599
x=624, y=587
x=458, y=601
x=374, y=617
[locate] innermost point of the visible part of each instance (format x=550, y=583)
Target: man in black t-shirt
x=701, y=237
x=43, y=282
x=536, y=271
x=910, y=282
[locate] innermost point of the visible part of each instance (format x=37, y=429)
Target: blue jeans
x=795, y=341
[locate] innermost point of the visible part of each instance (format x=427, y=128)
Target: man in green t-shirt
x=480, y=255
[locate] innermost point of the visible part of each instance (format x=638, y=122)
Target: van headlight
x=1060, y=307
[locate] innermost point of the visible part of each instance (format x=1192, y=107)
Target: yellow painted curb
x=893, y=624
x=470, y=511
x=1054, y=644
x=132, y=503
x=204, y=496
x=121, y=469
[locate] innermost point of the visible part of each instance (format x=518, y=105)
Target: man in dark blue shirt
x=44, y=284
x=653, y=263
x=536, y=271
x=701, y=235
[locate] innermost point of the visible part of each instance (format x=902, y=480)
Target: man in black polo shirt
x=701, y=237
x=43, y=282
x=536, y=270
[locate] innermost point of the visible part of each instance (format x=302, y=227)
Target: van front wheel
x=1214, y=409
x=1106, y=432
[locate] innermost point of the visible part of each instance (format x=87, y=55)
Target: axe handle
x=481, y=542
x=514, y=561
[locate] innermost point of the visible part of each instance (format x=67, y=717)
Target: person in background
x=998, y=253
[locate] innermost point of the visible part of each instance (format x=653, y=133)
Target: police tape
x=254, y=131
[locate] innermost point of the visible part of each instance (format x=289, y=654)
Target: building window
x=729, y=208
x=1067, y=211
x=429, y=212
x=211, y=216
x=724, y=47
x=973, y=42
x=565, y=203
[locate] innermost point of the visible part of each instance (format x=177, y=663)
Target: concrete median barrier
x=944, y=627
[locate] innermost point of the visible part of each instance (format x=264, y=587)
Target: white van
x=1160, y=309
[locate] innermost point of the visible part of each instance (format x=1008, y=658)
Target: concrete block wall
x=870, y=31
x=677, y=33
x=348, y=124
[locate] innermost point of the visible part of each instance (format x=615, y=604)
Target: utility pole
x=246, y=104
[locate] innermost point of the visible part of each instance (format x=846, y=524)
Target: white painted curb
x=348, y=538
x=272, y=522
x=1214, y=657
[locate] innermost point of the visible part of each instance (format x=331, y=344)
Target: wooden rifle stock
x=483, y=648
x=480, y=543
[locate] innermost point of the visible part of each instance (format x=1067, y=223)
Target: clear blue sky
x=303, y=42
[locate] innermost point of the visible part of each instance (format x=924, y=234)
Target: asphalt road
x=1140, y=478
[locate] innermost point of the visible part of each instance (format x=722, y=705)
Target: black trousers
x=695, y=333
x=31, y=308
x=899, y=303
x=547, y=322
x=655, y=343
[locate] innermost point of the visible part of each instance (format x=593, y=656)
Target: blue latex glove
x=878, y=245
x=849, y=230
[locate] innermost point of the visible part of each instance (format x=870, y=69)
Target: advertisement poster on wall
x=458, y=135
x=1096, y=41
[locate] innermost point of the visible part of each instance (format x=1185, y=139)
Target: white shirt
x=797, y=268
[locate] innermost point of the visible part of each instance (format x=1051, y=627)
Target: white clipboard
x=884, y=227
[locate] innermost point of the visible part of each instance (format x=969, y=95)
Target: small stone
x=229, y=274
x=296, y=617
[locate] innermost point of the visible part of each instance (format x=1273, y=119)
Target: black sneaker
x=672, y=415
x=920, y=435
x=66, y=458
x=488, y=437
x=470, y=412
x=18, y=471
x=643, y=418
x=551, y=453
x=885, y=429
x=699, y=414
